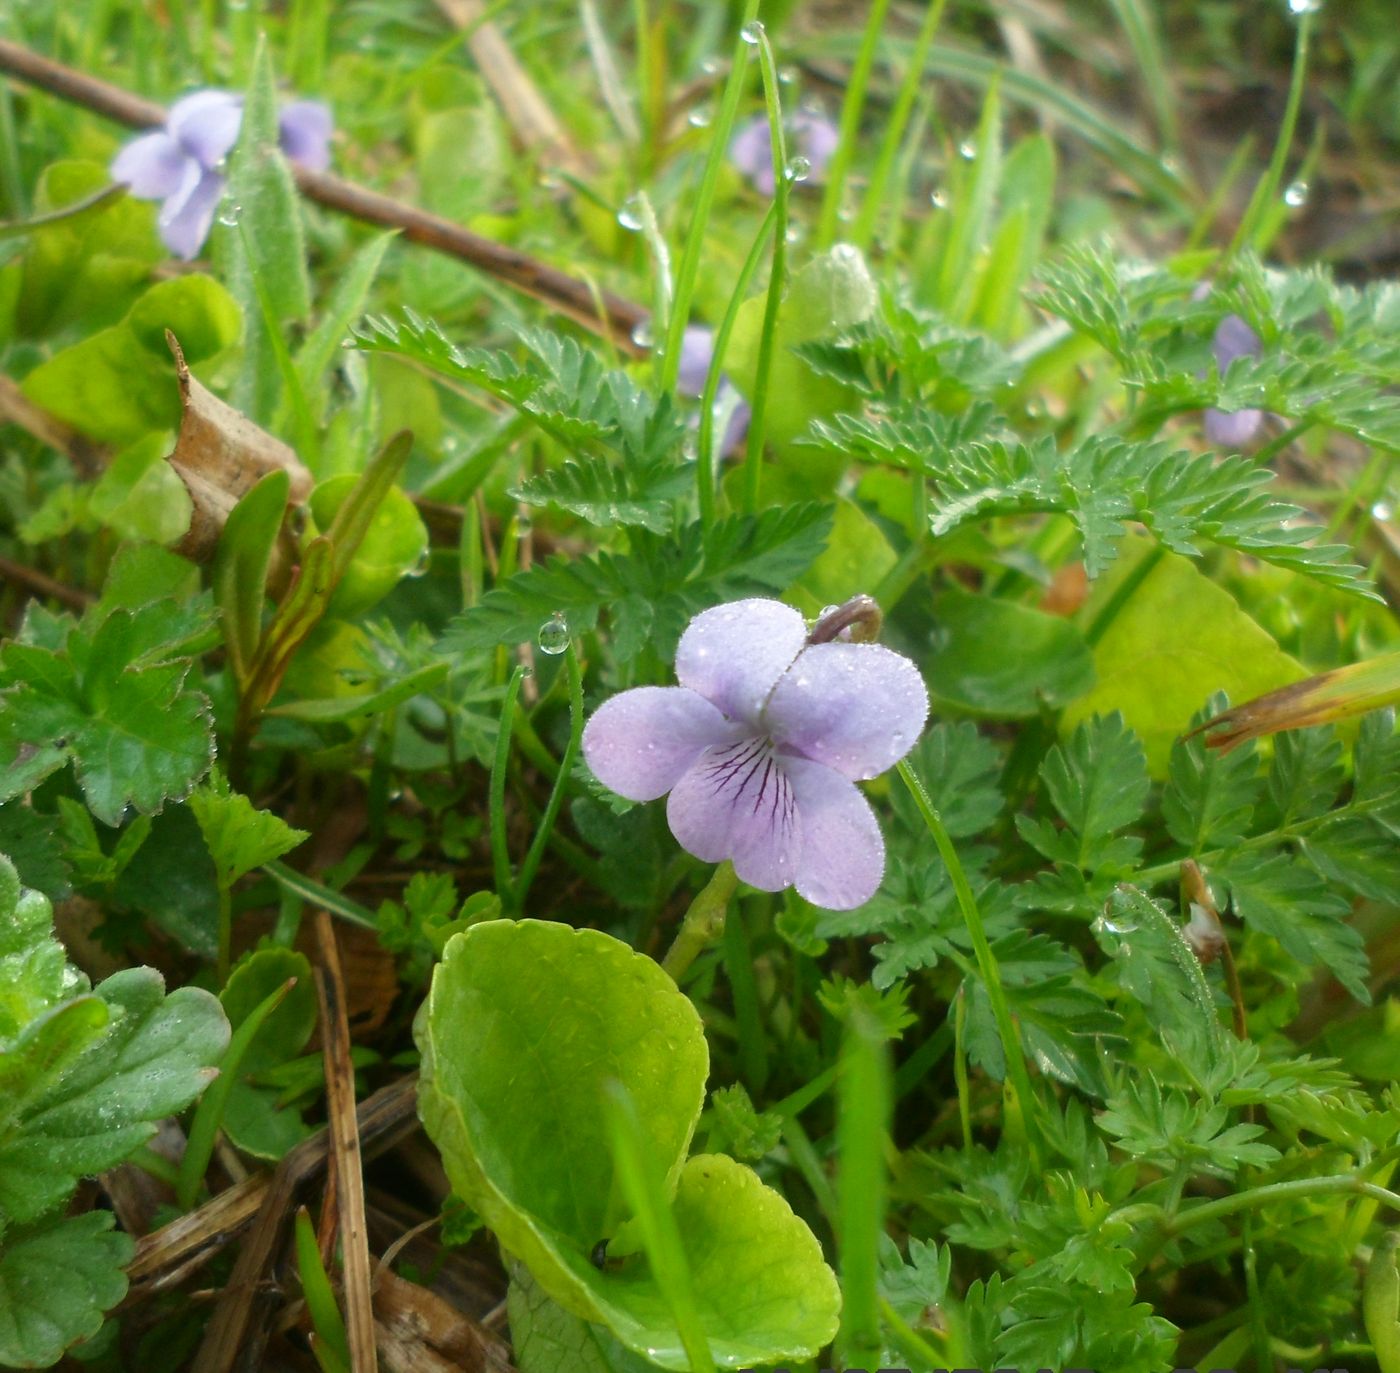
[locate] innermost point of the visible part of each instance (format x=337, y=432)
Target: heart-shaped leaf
x=526, y=1026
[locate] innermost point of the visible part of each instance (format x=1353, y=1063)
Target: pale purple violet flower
x=697, y=349
x=182, y=164
x=809, y=134
x=1233, y=429
x=761, y=745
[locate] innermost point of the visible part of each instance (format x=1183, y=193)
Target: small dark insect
x=602, y=1260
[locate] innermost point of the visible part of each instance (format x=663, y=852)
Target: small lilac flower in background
x=762, y=743
x=181, y=165
x=697, y=349
x=809, y=134
x=1233, y=429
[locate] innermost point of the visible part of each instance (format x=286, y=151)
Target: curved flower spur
x=762, y=743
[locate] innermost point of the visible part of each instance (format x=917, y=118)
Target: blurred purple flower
x=697, y=350
x=761, y=745
x=809, y=135
x=182, y=164
x=1235, y=428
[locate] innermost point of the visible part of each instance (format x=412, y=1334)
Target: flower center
x=750, y=776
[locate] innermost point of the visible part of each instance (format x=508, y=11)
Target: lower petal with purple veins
x=642, y=742
x=843, y=853
x=737, y=802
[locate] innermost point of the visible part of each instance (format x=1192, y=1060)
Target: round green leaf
x=198, y=310
x=394, y=544
x=525, y=1027
x=1002, y=659
x=1173, y=642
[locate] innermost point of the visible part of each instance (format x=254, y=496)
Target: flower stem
x=874, y=201
x=753, y=455
x=1016, y=1076
x=689, y=268
x=1267, y=189
x=561, y=780
x=704, y=921
x=705, y=440
x=851, y=109
x=500, y=854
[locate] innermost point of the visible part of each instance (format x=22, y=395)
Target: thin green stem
x=864, y=228
x=851, y=110
x=1017, y=1077
x=500, y=853
x=753, y=456
x=862, y=1189
x=705, y=440
x=1266, y=191
x=225, y=932
x=704, y=922
x=689, y=269
x=561, y=781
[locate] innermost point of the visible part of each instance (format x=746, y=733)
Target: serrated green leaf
x=240, y=837
x=1097, y=781
x=1273, y=893
x=113, y=702
x=56, y=1282
x=652, y=591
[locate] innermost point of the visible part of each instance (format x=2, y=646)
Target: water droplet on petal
x=554, y=634
x=752, y=31
x=1296, y=195
x=630, y=215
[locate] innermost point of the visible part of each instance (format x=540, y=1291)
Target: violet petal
x=642, y=742
x=843, y=854
x=1232, y=428
x=697, y=348
x=206, y=124
x=304, y=129
x=152, y=166
x=858, y=708
x=1233, y=339
x=188, y=215
x=750, y=151
x=733, y=654
x=737, y=803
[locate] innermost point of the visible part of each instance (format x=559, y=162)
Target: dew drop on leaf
x=630, y=215
x=752, y=31
x=554, y=635
x=797, y=169
x=1296, y=194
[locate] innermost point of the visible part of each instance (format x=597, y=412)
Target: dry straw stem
x=596, y=309
x=345, y=1149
